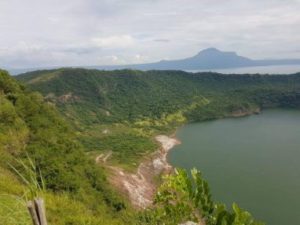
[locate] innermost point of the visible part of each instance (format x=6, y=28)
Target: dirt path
x=103, y=158
x=140, y=186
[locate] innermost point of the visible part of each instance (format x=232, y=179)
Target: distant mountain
x=207, y=59
x=210, y=58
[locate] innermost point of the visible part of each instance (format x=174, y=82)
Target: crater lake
x=253, y=161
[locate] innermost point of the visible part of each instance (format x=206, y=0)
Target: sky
x=45, y=33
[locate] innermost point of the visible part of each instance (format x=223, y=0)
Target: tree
x=183, y=198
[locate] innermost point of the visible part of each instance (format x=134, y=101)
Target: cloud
x=162, y=40
x=161, y=14
x=116, y=41
x=91, y=32
x=121, y=59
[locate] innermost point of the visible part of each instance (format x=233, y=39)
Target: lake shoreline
x=140, y=187
x=230, y=148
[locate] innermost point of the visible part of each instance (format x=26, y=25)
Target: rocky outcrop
x=245, y=112
x=140, y=187
x=189, y=223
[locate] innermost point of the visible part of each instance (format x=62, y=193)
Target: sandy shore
x=140, y=186
x=167, y=143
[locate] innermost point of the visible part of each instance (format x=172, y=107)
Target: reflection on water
x=288, y=69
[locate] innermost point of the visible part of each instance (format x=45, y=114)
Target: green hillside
x=121, y=111
x=91, y=96
x=76, y=187
x=118, y=111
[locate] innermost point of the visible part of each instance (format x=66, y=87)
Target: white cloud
x=117, y=41
x=109, y=60
x=90, y=32
x=161, y=14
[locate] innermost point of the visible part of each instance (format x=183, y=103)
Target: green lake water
x=253, y=161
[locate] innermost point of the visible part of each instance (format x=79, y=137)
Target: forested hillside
x=115, y=96
x=118, y=111
x=124, y=109
x=76, y=187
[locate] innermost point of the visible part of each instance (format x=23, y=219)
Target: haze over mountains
x=207, y=59
x=210, y=58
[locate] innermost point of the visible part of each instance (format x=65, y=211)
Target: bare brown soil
x=140, y=187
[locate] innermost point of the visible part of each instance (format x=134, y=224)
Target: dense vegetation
x=120, y=111
x=115, y=96
x=182, y=198
x=30, y=127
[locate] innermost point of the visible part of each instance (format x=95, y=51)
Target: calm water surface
x=253, y=161
x=286, y=69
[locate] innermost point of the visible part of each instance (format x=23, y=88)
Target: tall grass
x=13, y=210
x=31, y=177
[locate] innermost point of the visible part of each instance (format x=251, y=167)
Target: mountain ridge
x=207, y=59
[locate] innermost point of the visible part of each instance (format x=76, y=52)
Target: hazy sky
x=37, y=33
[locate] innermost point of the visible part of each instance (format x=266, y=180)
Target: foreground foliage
x=182, y=198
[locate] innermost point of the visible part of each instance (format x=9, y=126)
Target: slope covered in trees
x=77, y=193
x=116, y=96
x=120, y=111
x=31, y=127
